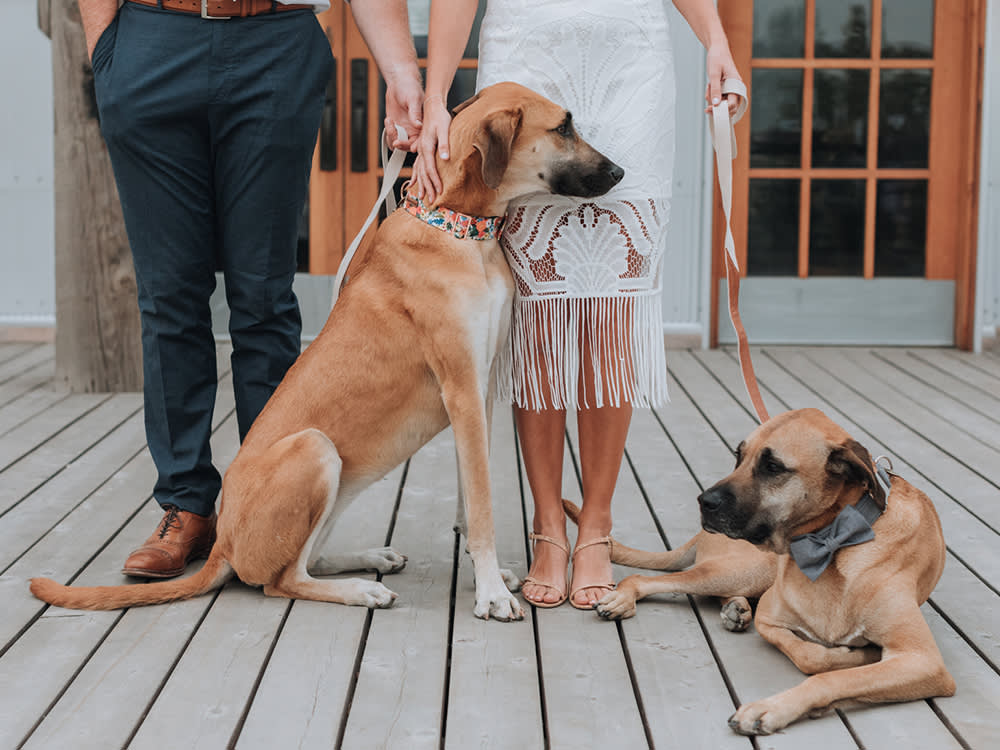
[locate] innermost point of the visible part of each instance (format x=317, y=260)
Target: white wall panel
x=27, y=243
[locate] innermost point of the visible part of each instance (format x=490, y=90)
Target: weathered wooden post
x=97, y=319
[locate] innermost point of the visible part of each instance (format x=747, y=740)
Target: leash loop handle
x=724, y=143
x=391, y=167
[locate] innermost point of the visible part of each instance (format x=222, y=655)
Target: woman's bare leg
x=602, y=432
x=542, y=435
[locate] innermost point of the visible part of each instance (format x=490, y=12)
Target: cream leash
x=392, y=166
x=721, y=126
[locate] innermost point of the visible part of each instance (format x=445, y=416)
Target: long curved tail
x=671, y=560
x=213, y=574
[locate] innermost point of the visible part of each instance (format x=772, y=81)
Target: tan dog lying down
x=848, y=615
x=409, y=347
x=706, y=565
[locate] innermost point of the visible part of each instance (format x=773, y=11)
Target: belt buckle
x=204, y=13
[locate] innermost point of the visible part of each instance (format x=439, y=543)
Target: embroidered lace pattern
x=587, y=272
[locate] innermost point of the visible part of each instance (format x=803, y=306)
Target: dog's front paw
x=503, y=606
x=373, y=595
x=617, y=605
x=762, y=717
x=736, y=614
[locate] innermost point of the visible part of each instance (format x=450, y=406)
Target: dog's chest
x=818, y=611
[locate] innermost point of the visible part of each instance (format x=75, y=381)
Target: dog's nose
x=616, y=173
x=713, y=498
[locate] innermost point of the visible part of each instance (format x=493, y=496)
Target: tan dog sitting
x=409, y=347
x=706, y=565
x=850, y=615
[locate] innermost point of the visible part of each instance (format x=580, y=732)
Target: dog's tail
x=670, y=560
x=213, y=574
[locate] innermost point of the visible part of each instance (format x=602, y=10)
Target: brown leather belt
x=222, y=8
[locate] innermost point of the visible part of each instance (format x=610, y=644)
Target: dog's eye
x=563, y=130
x=769, y=465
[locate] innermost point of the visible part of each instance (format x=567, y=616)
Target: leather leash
x=724, y=143
x=391, y=167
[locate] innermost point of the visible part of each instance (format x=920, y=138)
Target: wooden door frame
x=959, y=34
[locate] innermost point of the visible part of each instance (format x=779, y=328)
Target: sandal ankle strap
x=564, y=546
x=599, y=540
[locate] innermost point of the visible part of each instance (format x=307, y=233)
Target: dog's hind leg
x=380, y=559
x=289, y=503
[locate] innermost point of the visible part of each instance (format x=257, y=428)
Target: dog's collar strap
x=460, y=225
x=813, y=552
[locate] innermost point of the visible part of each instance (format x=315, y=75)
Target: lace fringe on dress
x=540, y=367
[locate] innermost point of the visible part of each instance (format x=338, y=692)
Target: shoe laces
x=170, y=520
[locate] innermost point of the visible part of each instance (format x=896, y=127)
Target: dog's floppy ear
x=494, y=140
x=851, y=462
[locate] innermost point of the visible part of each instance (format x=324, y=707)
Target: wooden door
x=854, y=189
x=346, y=173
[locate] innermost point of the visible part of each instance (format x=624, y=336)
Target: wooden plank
x=9, y=351
x=204, y=697
x=127, y=669
x=683, y=690
x=963, y=367
x=974, y=710
x=36, y=355
x=944, y=384
x=26, y=437
x=34, y=400
x=583, y=665
x=304, y=689
x=957, y=429
x=35, y=377
x=69, y=547
x=67, y=452
x=493, y=665
x=398, y=699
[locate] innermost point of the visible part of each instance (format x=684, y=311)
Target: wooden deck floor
x=242, y=670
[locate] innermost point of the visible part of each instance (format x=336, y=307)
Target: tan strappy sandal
x=609, y=586
x=532, y=580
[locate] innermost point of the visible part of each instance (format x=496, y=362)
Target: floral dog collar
x=458, y=224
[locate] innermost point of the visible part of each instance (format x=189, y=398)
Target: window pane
x=908, y=28
x=776, y=121
x=773, y=232
x=901, y=228
x=843, y=29
x=779, y=28
x=840, y=118
x=904, y=118
x=837, y=228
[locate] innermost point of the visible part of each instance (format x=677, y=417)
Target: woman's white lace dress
x=589, y=267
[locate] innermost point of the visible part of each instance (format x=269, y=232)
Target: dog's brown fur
x=857, y=629
x=409, y=347
x=706, y=565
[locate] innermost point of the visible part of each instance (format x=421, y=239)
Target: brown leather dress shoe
x=180, y=537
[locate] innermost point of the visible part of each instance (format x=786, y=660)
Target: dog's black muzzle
x=722, y=513
x=587, y=183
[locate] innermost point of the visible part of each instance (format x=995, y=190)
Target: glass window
x=837, y=228
x=773, y=236
x=843, y=29
x=901, y=228
x=779, y=28
x=840, y=118
x=776, y=122
x=908, y=28
x=904, y=119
